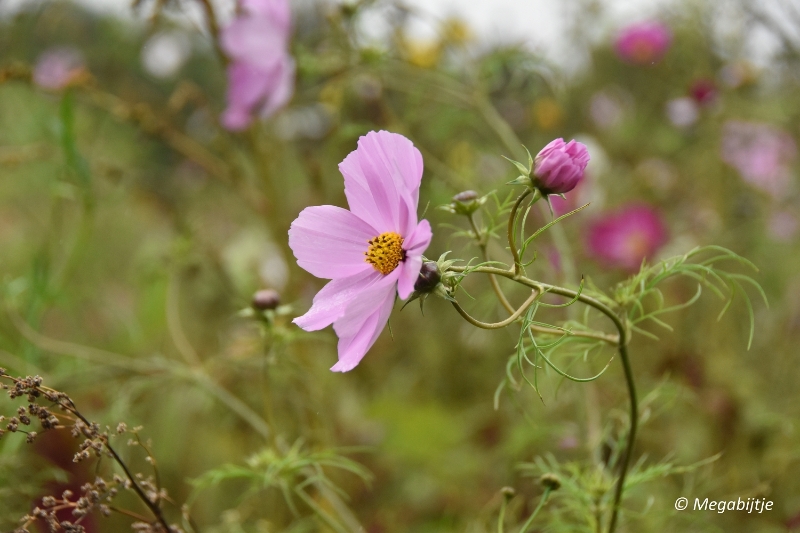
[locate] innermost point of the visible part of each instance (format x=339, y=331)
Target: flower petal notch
x=371, y=252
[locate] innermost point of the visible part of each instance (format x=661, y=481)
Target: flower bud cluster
x=96, y=496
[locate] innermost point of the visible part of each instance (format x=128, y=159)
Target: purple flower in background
x=559, y=166
x=624, y=238
x=644, y=43
x=57, y=67
x=782, y=226
x=261, y=72
x=371, y=252
x=762, y=153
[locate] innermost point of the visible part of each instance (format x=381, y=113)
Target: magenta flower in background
x=704, y=91
x=644, y=43
x=57, y=67
x=371, y=252
x=261, y=72
x=559, y=166
x=624, y=238
x=762, y=153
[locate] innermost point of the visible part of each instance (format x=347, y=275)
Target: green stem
x=497, y=325
x=483, y=245
x=512, y=221
x=623, y=353
x=528, y=523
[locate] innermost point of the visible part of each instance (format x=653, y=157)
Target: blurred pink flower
x=624, y=238
x=371, y=252
x=762, y=153
x=559, y=166
x=261, y=72
x=644, y=43
x=57, y=67
x=782, y=226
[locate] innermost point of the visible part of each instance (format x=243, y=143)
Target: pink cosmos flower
x=261, y=72
x=762, y=153
x=57, y=67
x=624, y=238
x=559, y=166
x=371, y=252
x=644, y=43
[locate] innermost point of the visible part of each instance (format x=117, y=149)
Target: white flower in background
x=682, y=112
x=165, y=53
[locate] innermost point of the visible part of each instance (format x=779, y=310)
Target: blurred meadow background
x=136, y=228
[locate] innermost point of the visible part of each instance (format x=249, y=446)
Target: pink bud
x=559, y=166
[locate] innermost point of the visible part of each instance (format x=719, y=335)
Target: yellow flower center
x=385, y=252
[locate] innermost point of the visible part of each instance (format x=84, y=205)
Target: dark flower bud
x=429, y=277
x=466, y=196
x=550, y=481
x=508, y=492
x=266, y=299
x=465, y=203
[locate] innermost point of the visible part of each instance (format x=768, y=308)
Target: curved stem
x=213, y=29
x=497, y=325
x=512, y=220
x=622, y=343
x=528, y=523
x=492, y=280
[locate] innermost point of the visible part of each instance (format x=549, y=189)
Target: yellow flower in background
x=332, y=95
x=423, y=54
x=456, y=31
x=461, y=157
x=547, y=113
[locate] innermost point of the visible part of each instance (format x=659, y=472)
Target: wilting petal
x=330, y=242
x=382, y=178
x=254, y=40
x=414, y=245
x=277, y=11
x=363, y=321
x=247, y=86
x=281, y=87
x=331, y=302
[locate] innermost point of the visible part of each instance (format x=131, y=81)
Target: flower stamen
x=385, y=252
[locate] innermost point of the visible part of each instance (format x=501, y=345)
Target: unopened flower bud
x=466, y=203
x=466, y=196
x=508, y=492
x=550, y=481
x=266, y=299
x=559, y=166
x=429, y=277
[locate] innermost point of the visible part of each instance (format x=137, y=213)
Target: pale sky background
x=539, y=24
